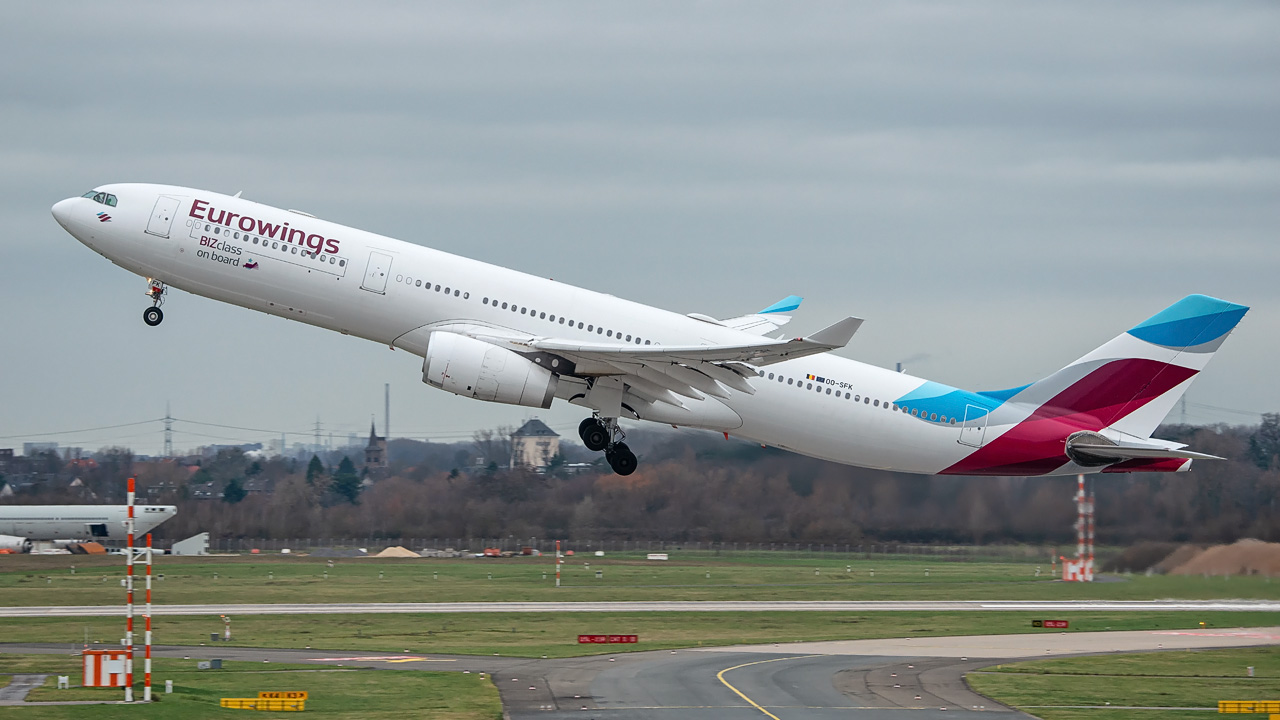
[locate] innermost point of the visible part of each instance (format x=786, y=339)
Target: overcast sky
x=997, y=187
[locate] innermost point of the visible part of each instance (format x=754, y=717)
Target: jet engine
x=476, y=369
x=13, y=543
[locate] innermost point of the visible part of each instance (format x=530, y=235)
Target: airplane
x=499, y=335
x=21, y=525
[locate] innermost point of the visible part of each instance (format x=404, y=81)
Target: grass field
x=333, y=692
x=1156, y=680
x=555, y=634
x=49, y=580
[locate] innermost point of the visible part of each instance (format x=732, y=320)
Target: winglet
x=786, y=304
x=837, y=335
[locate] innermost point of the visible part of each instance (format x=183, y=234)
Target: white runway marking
x=657, y=606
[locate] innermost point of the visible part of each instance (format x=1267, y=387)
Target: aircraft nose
x=62, y=212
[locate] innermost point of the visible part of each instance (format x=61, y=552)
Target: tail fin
x=1132, y=382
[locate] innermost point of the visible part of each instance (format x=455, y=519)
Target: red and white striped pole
x=146, y=663
x=128, y=584
x=1080, y=521
x=1089, y=536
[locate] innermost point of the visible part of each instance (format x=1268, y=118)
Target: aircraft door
x=375, y=276
x=162, y=216
x=98, y=530
x=974, y=428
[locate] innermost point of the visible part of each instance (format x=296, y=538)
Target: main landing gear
x=153, y=316
x=604, y=434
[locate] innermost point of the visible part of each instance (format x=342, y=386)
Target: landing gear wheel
x=621, y=459
x=152, y=316
x=594, y=434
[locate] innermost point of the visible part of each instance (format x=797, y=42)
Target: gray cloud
x=999, y=187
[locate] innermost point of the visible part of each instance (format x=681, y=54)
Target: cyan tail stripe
x=1193, y=320
x=949, y=402
x=786, y=304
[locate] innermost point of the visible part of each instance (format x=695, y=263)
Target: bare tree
x=494, y=446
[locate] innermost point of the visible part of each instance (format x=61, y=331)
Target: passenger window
x=790, y=381
x=628, y=338
x=876, y=403
x=610, y=333
x=828, y=391
x=542, y=316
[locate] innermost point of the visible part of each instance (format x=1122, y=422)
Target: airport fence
x=446, y=546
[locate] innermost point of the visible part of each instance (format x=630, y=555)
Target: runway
x=920, y=679
x=657, y=606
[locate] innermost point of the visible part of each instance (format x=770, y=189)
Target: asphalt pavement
x=898, y=679
x=659, y=606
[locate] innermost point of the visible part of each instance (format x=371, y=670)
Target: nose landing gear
x=153, y=316
x=604, y=434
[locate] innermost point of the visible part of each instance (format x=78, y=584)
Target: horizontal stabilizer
x=1135, y=451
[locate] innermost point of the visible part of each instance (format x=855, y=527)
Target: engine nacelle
x=13, y=543
x=476, y=369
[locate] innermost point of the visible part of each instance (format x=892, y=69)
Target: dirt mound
x=397, y=551
x=1246, y=557
x=1177, y=558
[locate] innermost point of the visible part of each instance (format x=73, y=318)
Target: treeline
x=699, y=487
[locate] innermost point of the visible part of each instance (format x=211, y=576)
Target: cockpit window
x=101, y=197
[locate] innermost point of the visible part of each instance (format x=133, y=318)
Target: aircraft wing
x=764, y=351
x=662, y=373
x=758, y=323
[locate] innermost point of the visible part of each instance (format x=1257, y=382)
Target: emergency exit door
x=162, y=216
x=375, y=275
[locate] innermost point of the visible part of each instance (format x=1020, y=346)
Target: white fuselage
x=79, y=522
x=393, y=292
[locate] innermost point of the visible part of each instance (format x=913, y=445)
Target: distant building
x=533, y=445
x=32, y=448
x=375, y=453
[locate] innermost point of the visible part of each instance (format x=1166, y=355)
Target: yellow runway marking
x=754, y=704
